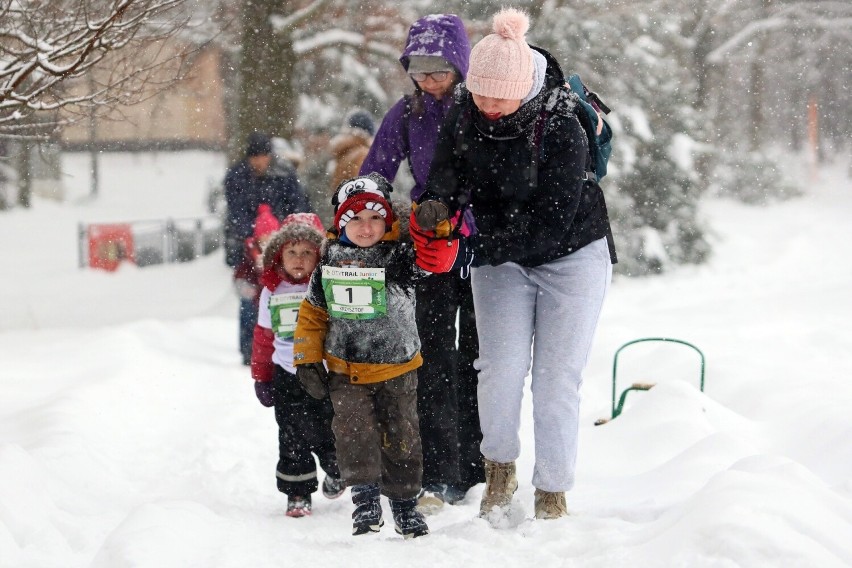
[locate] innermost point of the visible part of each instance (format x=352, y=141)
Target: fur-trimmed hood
x=305, y=228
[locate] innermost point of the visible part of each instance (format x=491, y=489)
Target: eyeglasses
x=436, y=76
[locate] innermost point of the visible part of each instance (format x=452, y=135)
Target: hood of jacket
x=442, y=35
x=346, y=141
x=554, y=77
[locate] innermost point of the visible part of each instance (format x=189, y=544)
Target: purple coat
x=403, y=134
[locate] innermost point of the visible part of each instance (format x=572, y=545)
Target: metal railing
x=147, y=242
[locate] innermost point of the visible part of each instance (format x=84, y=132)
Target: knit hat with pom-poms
x=363, y=192
x=501, y=64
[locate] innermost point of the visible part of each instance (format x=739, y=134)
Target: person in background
x=304, y=423
x=350, y=146
x=248, y=184
x=247, y=276
x=542, y=257
x=358, y=318
x=436, y=59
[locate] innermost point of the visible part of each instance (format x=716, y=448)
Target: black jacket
x=529, y=196
x=244, y=192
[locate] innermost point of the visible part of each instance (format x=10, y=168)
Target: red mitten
x=262, y=367
x=444, y=255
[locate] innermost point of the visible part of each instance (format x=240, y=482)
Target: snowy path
x=130, y=436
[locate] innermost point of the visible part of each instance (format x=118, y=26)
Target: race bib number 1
x=284, y=309
x=355, y=293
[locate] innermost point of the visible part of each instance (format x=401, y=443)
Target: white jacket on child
x=277, y=311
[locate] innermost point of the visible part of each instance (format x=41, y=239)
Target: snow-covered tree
x=46, y=43
x=634, y=56
x=63, y=60
x=303, y=63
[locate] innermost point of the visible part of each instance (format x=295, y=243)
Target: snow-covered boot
x=298, y=506
x=409, y=521
x=500, y=484
x=550, y=504
x=431, y=499
x=333, y=487
x=367, y=516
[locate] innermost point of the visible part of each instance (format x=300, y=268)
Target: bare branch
x=290, y=21
x=47, y=44
x=340, y=38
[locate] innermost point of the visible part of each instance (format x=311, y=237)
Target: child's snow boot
x=367, y=516
x=550, y=504
x=333, y=487
x=298, y=506
x=500, y=484
x=409, y=521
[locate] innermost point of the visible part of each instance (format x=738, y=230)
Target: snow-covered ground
x=130, y=435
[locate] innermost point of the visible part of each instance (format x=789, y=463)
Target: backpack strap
x=547, y=110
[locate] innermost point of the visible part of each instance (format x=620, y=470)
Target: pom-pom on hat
x=265, y=222
x=363, y=192
x=311, y=219
x=501, y=64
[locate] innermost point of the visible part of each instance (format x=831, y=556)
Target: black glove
x=314, y=379
x=264, y=392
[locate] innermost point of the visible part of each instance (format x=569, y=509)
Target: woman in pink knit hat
x=514, y=152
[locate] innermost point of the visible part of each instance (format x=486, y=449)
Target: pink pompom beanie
x=501, y=64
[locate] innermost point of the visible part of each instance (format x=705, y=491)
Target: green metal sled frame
x=616, y=409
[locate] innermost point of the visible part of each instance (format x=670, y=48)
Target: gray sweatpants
x=546, y=316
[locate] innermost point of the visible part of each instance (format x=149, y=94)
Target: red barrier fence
x=107, y=245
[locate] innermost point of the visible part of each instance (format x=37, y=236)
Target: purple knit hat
x=441, y=35
x=501, y=64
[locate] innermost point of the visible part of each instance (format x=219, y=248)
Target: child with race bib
x=304, y=423
x=358, y=316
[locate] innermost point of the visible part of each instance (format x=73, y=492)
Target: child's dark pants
x=304, y=429
x=377, y=433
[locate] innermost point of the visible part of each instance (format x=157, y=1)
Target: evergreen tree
x=637, y=61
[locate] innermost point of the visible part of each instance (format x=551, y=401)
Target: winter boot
x=430, y=500
x=298, y=506
x=453, y=494
x=500, y=484
x=333, y=487
x=433, y=497
x=550, y=505
x=367, y=516
x=409, y=521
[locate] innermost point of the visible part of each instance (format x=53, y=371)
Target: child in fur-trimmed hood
x=304, y=423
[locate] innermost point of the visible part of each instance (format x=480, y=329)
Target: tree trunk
x=267, y=102
x=756, y=90
x=25, y=184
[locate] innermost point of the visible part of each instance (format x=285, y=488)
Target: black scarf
x=519, y=123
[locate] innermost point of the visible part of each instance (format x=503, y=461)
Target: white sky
x=130, y=435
